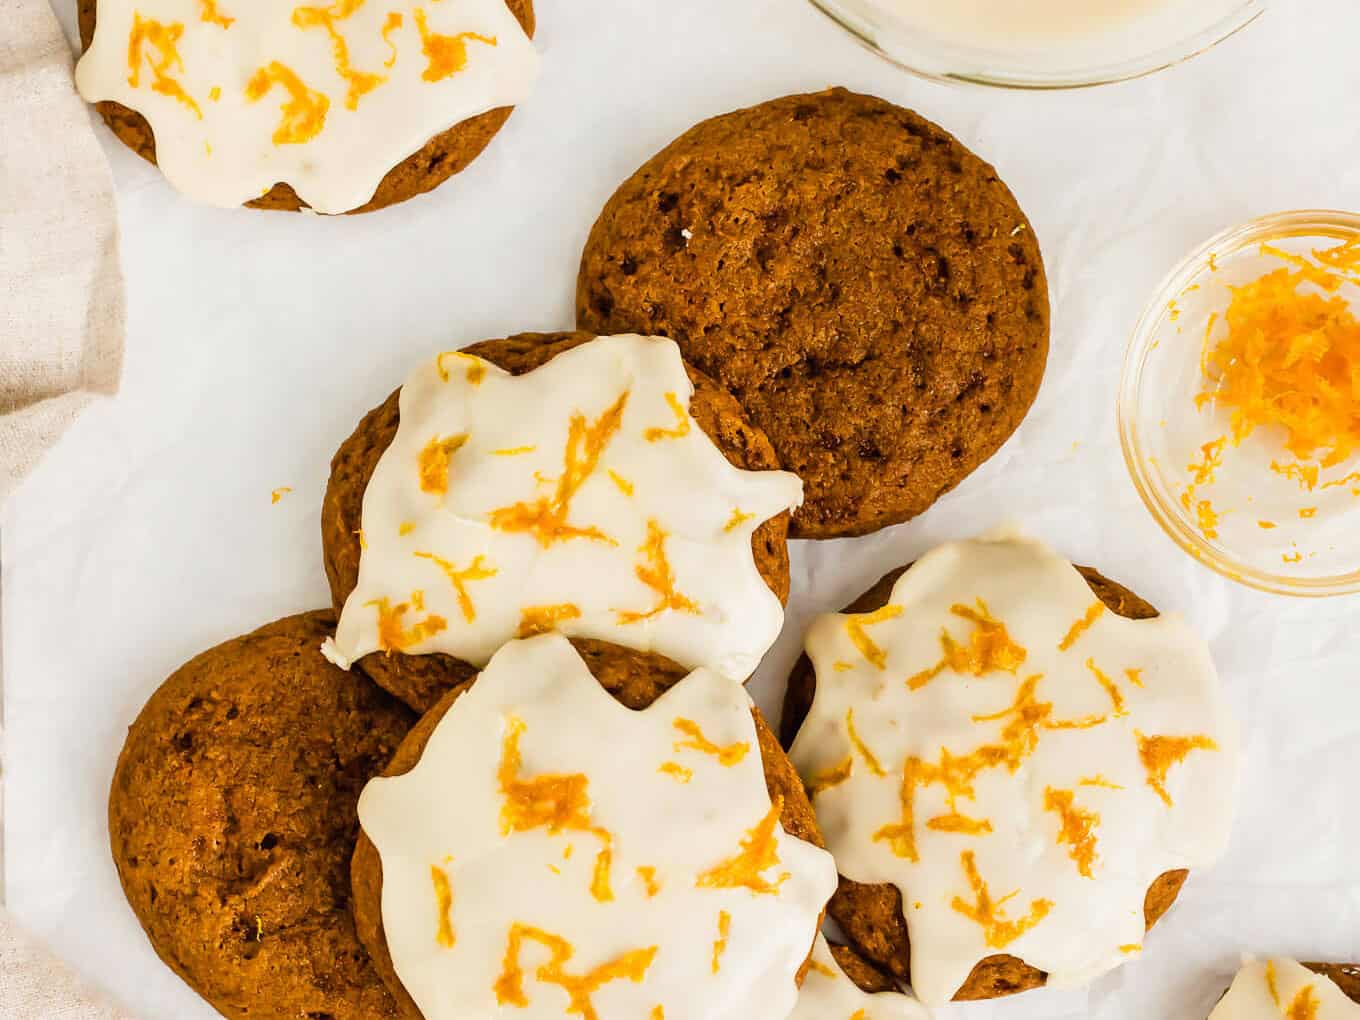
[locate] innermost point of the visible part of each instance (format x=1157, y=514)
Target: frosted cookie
x=343, y=106
x=1281, y=989
x=866, y=286
x=1014, y=765
x=542, y=848
x=835, y=989
x=232, y=822
x=596, y=487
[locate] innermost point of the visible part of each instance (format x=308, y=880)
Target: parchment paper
x=257, y=340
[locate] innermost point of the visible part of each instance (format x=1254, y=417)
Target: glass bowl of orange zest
x=1239, y=407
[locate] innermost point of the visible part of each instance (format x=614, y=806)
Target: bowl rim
x=1158, y=60
x=1336, y=223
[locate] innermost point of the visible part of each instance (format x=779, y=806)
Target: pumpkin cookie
x=866, y=286
x=554, y=482
x=352, y=107
x=1270, y=989
x=978, y=724
x=637, y=834
x=232, y=822
x=841, y=983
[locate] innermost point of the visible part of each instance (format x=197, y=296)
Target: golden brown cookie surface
x=635, y=679
x=440, y=158
x=420, y=680
x=871, y=914
x=866, y=286
x=232, y=820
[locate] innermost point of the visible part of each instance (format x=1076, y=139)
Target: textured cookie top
x=864, y=284
x=1281, y=989
x=829, y=994
x=1018, y=761
x=555, y=853
x=232, y=820
x=244, y=94
x=580, y=497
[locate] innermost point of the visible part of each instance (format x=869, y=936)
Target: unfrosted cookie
x=446, y=153
x=865, y=285
x=566, y=810
x=232, y=820
x=872, y=913
x=421, y=679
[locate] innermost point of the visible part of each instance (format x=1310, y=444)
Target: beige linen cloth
x=61, y=343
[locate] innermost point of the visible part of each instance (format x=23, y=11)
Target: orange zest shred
x=1159, y=754
x=1130, y=947
x=543, y=619
x=1294, y=557
x=1304, y=1005
x=1111, y=688
x=557, y=803
x=860, y=746
x=1025, y=718
x=360, y=82
x=676, y=771
x=1100, y=781
x=998, y=930
x=447, y=54
x=164, y=40
x=1203, y=473
x=720, y=943
x=649, y=880
x=433, y=462
x=738, y=518
x=658, y=1013
x=208, y=12
x=842, y=667
x=363, y=542
x=1307, y=512
x=1076, y=827
x=854, y=627
x=392, y=636
x=759, y=852
x=304, y=112
x=1290, y=360
x=475, y=571
x=1271, y=986
x=443, y=894
x=1135, y=676
x=816, y=966
x=509, y=986
x=681, y=427
x=623, y=484
x=476, y=370
x=727, y=756
x=393, y=22
x=833, y=776
x=546, y=517
x=514, y=451
x=1266, y=525
x=989, y=649
x=1074, y=633
x=656, y=573
x=279, y=493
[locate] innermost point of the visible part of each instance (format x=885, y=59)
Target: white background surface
x=256, y=341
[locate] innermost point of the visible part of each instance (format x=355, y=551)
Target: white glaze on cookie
x=827, y=994
x=325, y=95
x=1019, y=761
x=1281, y=989
x=580, y=497
x=706, y=909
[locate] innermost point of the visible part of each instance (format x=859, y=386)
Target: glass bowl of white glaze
x=1040, y=44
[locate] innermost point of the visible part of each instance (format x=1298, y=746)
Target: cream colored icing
x=1281, y=989
x=643, y=529
x=674, y=937
x=326, y=95
x=827, y=994
x=994, y=672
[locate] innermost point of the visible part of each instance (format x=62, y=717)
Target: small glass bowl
x=1309, y=543
x=1074, y=64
